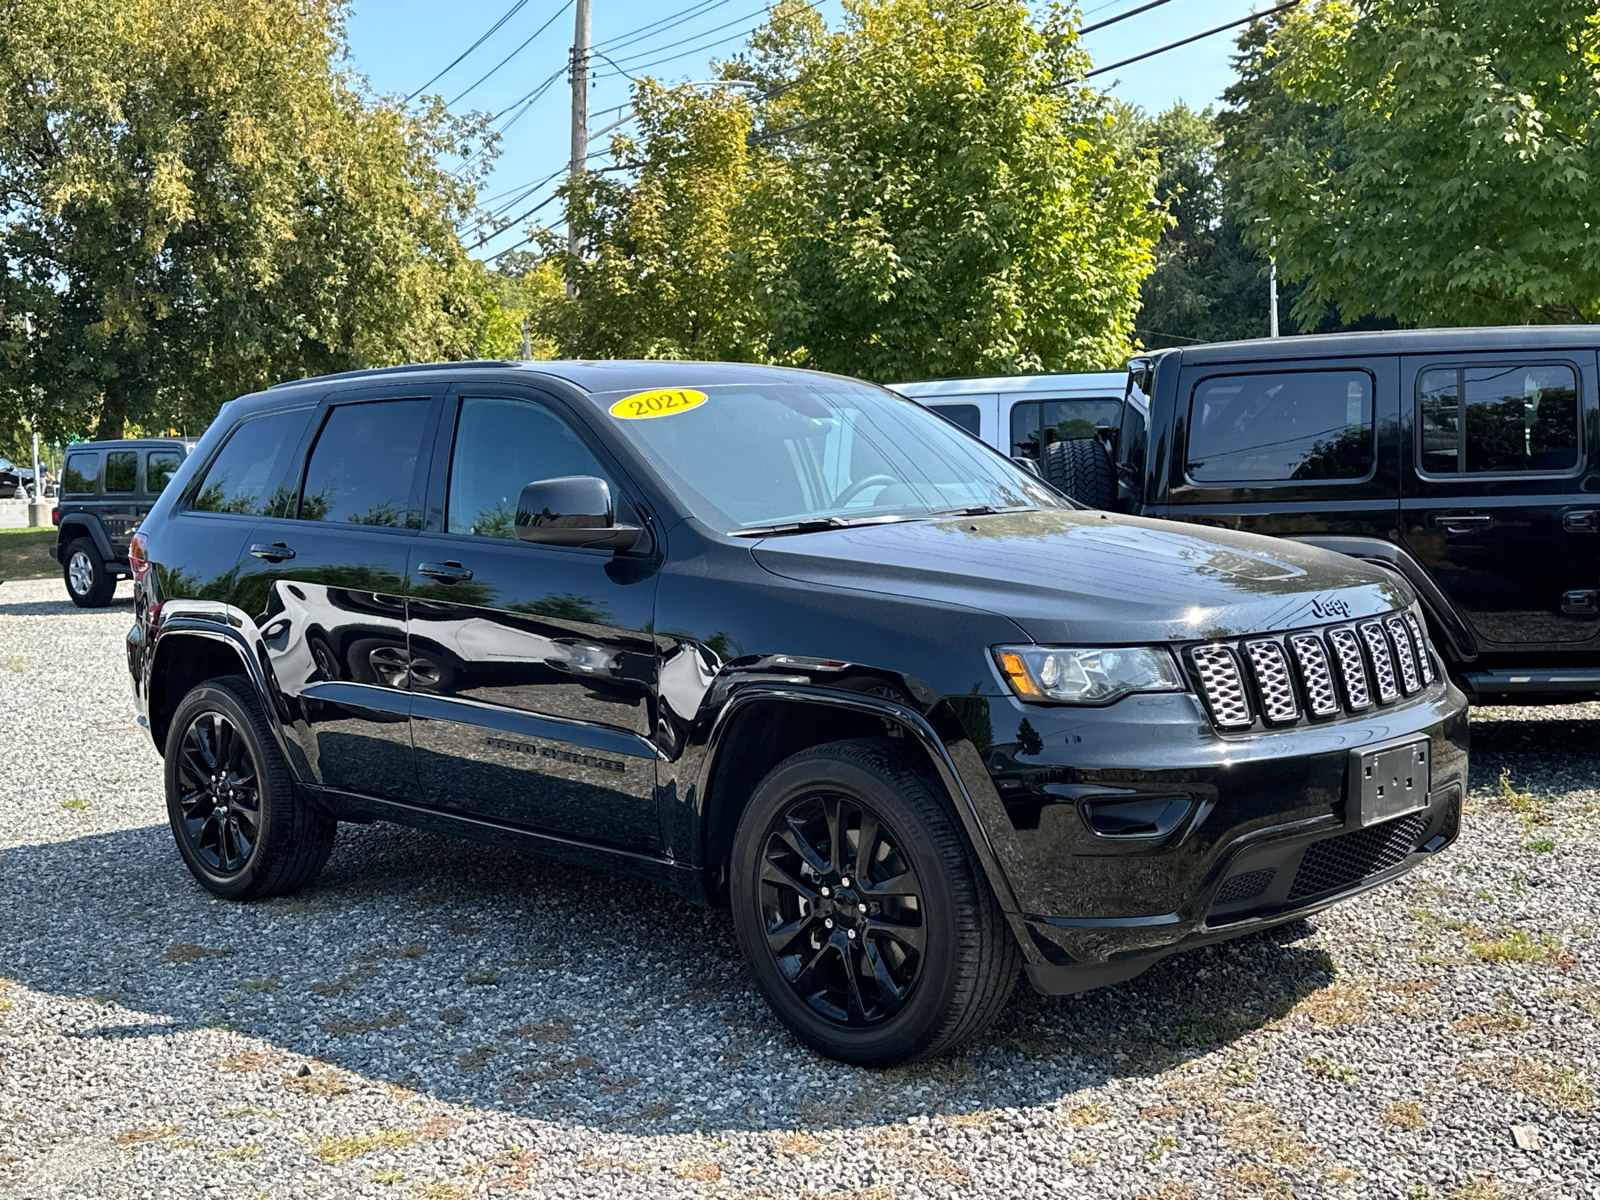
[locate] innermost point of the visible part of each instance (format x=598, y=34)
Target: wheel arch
x=191, y=654
x=76, y=525
x=762, y=725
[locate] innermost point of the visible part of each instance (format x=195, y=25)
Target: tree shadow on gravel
x=1558, y=749
x=512, y=983
x=58, y=608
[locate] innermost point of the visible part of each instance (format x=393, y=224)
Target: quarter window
x=964, y=416
x=1281, y=428
x=80, y=472
x=245, y=477
x=1503, y=419
x=122, y=468
x=365, y=461
x=1034, y=426
x=159, y=468
x=501, y=447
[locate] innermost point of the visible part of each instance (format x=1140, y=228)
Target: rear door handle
x=277, y=552
x=445, y=572
x=1460, y=522
x=1582, y=521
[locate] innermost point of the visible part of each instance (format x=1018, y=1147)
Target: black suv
x=106, y=490
x=784, y=642
x=1457, y=459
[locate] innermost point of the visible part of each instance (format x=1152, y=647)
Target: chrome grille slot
x=1404, y=656
x=1382, y=661
x=1424, y=656
x=1315, y=675
x=1271, y=671
x=1352, y=671
x=1222, y=686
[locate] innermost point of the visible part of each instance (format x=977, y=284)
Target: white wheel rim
x=80, y=573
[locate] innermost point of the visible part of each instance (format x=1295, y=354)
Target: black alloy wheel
x=243, y=828
x=219, y=793
x=842, y=908
x=861, y=909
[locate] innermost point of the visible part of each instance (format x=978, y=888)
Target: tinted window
x=364, y=463
x=1304, y=425
x=159, y=467
x=246, y=476
x=501, y=447
x=122, y=467
x=1036, y=425
x=963, y=415
x=80, y=472
x=1478, y=419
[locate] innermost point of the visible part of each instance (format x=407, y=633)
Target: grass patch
x=1326, y=1068
x=1086, y=1115
x=343, y=1149
x=1405, y=1114
x=76, y=804
x=795, y=1143
x=1555, y=1087
x=25, y=554
x=484, y=978
x=388, y=1175
x=1161, y=1147
x=1519, y=946
x=1540, y=846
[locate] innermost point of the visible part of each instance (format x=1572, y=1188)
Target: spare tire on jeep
x=1081, y=467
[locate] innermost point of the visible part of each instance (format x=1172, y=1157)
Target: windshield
x=751, y=455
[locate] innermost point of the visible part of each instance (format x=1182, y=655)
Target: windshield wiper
x=979, y=510
x=817, y=525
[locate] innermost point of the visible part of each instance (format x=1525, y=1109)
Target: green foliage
x=1430, y=161
x=196, y=203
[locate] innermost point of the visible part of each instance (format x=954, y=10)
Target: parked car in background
x=1456, y=459
x=1024, y=415
x=106, y=489
x=14, y=478
x=782, y=642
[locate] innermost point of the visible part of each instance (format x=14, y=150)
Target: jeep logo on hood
x=1329, y=608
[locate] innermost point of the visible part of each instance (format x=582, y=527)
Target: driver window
x=501, y=446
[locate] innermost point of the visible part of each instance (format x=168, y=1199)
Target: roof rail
x=371, y=371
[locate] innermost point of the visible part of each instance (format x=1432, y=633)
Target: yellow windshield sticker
x=663, y=403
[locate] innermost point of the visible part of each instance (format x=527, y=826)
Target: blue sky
x=400, y=44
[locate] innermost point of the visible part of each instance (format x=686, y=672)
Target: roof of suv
x=1394, y=341
x=188, y=443
x=592, y=375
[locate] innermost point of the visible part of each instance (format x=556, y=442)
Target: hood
x=1096, y=578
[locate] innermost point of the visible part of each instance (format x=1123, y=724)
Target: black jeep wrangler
x=783, y=642
x=106, y=490
x=1456, y=459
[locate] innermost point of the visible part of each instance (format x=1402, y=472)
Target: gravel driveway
x=439, y=1020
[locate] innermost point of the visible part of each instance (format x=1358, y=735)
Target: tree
x=194, y=203
x=947, y=197
x=1450, y=173
x=1207, y=286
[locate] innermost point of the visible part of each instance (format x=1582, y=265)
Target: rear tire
x=1081, y=467
x=243, y=828
x=84, y=572
x=872, y=999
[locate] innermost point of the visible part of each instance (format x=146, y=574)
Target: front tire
x=861, y=910
x=84, y=572
x=242, y=827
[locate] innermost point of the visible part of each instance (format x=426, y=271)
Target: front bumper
x=1241, y=832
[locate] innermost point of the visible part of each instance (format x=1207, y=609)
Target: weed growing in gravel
x=343, y=1149
x=1086, y=1115
x=476, y=1059
x=1405, y=1114
x=269, y=984
x=795, y=1143
x=413, y=949
x=1263, y=1177
x=1326, y=1068
x=1343, y=1002
x=76, y=804
x=138, y=1137
x=1479, y=1189
x=1539, y=846
x=240, y=1152
x=483, y=978
x=1518, y=946
x=312, y=1084
x=701, y=1172
x=345, y=1027
x=184, y=952
x=1496, y=1024
x=561, y=1029
x=1556, y=1087
x=249, y=1060
x=1517, y=801
x=387, y=1175
x=5, y=986
x=440, y=1191
x=1161, y=1147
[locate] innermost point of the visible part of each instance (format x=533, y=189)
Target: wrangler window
x=1283, y=427
x=1503, y=419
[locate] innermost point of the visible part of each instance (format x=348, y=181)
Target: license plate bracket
x=1388, y=783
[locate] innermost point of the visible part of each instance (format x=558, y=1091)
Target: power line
x=462, y=94
x=695, y=36
x=644, y=31
x=1132, y=12
x=492, y=30
x=1128, y=62
x=692, y=50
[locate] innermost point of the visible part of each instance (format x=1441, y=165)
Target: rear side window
x=1034, y=426
x=80, y=472
x=1504, y=419
x=364, y=463
x=1293, y=426
x=246, y=477
x=122, y=468
x=159, y=468
x=501, y=447
x=963, y=415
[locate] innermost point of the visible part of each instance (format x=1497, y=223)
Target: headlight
x=1089, y=675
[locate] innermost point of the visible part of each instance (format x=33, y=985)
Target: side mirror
x=572, y=510
x=1027, y=464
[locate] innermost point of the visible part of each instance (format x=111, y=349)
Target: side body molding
x=1463, y=646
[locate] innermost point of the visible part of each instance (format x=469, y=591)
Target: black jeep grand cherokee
x=785, y=642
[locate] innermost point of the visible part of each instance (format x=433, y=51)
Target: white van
x=1021, y=415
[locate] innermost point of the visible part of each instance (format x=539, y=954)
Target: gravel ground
x=438, y=1020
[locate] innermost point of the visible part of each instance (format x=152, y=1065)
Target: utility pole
x=1272, y=288
x=580, y=126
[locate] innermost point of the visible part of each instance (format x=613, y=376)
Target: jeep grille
x=1313, y=674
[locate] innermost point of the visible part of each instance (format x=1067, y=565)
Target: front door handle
x=445, y=572
x=1585, y=520
x=277, y=552
x=1461, y=522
